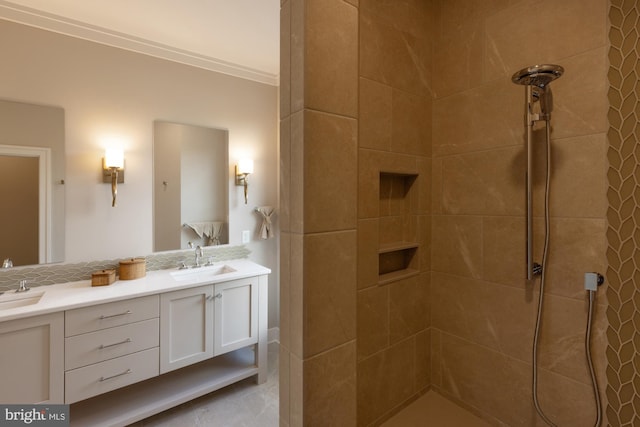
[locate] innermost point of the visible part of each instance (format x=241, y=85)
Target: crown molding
x=59, y=24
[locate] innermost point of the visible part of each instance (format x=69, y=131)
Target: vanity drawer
x=94, y=347
x=97, y=317
x=102, y=377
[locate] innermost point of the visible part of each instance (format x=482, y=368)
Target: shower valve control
x=592, y=281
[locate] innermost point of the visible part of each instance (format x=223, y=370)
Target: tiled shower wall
x=483, y=312
x=394, y=138
x=623, y=374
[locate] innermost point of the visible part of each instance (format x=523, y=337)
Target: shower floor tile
x=433, y=410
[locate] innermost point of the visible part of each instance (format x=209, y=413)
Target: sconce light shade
x=113, y=170
x=243, y=169
x=114, y=158
x=245, y=166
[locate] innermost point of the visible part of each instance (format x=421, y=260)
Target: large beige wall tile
x=411, y=129
x=436, y=357
x=577, y=246
x=296, y=295
x=330, y=387
x=415, y=17
x=580, y=95
x=500, y=386
x=486, y=116
x=423, y=360
x=459, y=40
x=503, y=249
x=562, y=339
x=284, y=385
x=330, y=173
x=296, y=391
x=484, y=183
x=285, y=290
x=578, y=183
x=542, y=32
x=487, y=314
x=284, y=216
x=385, y=380
x=375, y=115
x=331, y=53
x=368, y=244
x=457, y=245
x=329, y=290
x=296, y=173
x=393, y=57
x=407, y=301
x=424, y=238
x=373, y=320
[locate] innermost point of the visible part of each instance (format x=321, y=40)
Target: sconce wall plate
x=106, y=173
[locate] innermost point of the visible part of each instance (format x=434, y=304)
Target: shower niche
x=398, y=227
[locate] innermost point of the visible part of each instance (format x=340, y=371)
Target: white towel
x=266, y=231
x=209, y=229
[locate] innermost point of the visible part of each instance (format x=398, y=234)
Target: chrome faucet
x=7, y=263
x=22, y=286
x=198, y=255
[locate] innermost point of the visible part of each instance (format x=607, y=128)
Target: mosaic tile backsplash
x=50, y=274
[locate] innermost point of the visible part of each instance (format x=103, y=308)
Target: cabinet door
x=31, y=360
x=236, y=315
x=186, y=323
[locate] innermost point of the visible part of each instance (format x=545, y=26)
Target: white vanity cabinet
x=122, y=353
x=109, y=346
x=235, y=315
x=199, y=323
x=31, y=360
x=186, y=327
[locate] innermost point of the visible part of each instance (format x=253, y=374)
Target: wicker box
x=103, y=277
x=133, y=268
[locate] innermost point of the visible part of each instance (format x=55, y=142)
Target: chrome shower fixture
x=536, y=80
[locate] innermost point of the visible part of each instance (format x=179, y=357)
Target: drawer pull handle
x=115, y=315
x=218, y=295
x=114, y=344
x=128, y=371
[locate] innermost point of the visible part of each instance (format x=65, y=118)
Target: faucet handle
x=7, y=263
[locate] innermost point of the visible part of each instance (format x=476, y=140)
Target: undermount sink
x=202, y=273
x=13, y=300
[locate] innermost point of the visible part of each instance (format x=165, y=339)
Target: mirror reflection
x=31, y=183
x=190, y=185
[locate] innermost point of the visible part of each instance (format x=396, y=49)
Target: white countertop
x=70, y=295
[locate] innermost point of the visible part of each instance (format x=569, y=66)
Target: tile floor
x=243, y=404
x=246, y=404
x=433, y=410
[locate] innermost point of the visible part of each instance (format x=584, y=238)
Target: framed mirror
x=32, y=228
x=190, y=186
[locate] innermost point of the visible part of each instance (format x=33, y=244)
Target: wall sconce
x=113, y=170
x=243, y=169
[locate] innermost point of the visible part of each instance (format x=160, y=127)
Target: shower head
x=538, y=75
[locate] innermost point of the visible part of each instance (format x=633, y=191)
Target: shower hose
x=592, y=296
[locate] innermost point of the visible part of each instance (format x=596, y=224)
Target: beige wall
x=107, y=92
x=483, y=312
x=623, y=218
x=436, y=104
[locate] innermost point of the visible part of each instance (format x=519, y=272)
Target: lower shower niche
x=397, y=262
x=397, y=247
